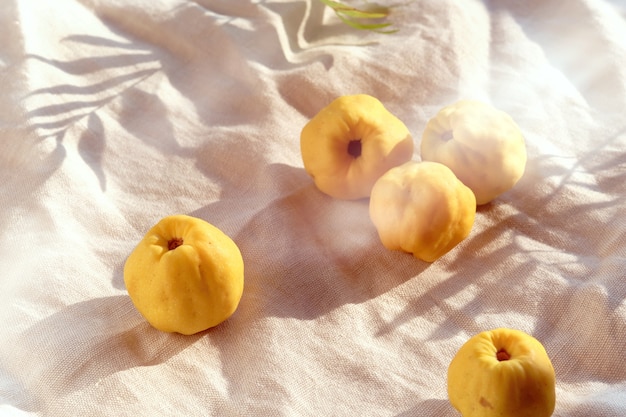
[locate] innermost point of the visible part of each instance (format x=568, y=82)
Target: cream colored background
x=116, y=113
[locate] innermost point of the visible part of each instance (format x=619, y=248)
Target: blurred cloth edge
x=115, y=114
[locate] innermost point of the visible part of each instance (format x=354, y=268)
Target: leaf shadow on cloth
x=471, y=271
x=92, y=83
x=132, y=72
x=542, y=223
x=70, y=103
x=91, y=146
x=573, y=226
x=87, y=342
x=219, y=82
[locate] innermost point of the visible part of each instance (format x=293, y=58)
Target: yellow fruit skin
x=324, y=141
x=190, y=288
x=483, y=146
x=422, y=208
x=479, y=385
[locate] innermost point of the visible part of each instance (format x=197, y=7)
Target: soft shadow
x=470, y=261
x=89, y=341
x=578, y=330
x=430, y=408
x=306, y=253
x=243, y=196
x=159, y=133
x=313, y=254
x=91, y=147
x=118, y=274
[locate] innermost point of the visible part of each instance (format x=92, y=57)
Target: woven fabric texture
x=116, y=113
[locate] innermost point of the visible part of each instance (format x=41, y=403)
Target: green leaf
x=354, y=17
x=361, y=14
x=376, y=27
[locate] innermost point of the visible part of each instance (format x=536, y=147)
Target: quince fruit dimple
x=185, y=275
x=502, y=373
x=350, y=143
x=422, y=208
x=482, y=145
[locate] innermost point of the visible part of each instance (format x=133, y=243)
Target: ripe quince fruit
x=185, y=275
x=502, y=373
x=422, y=208
x=350, y=143
x=482, y=145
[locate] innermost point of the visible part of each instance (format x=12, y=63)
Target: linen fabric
x=116, y=113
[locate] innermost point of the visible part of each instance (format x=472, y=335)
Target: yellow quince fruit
x=350, y=143
x=502, y=373
x=482, y=145
x=422, y=208
x=185, y=275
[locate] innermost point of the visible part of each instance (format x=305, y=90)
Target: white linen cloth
x=117, y=113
